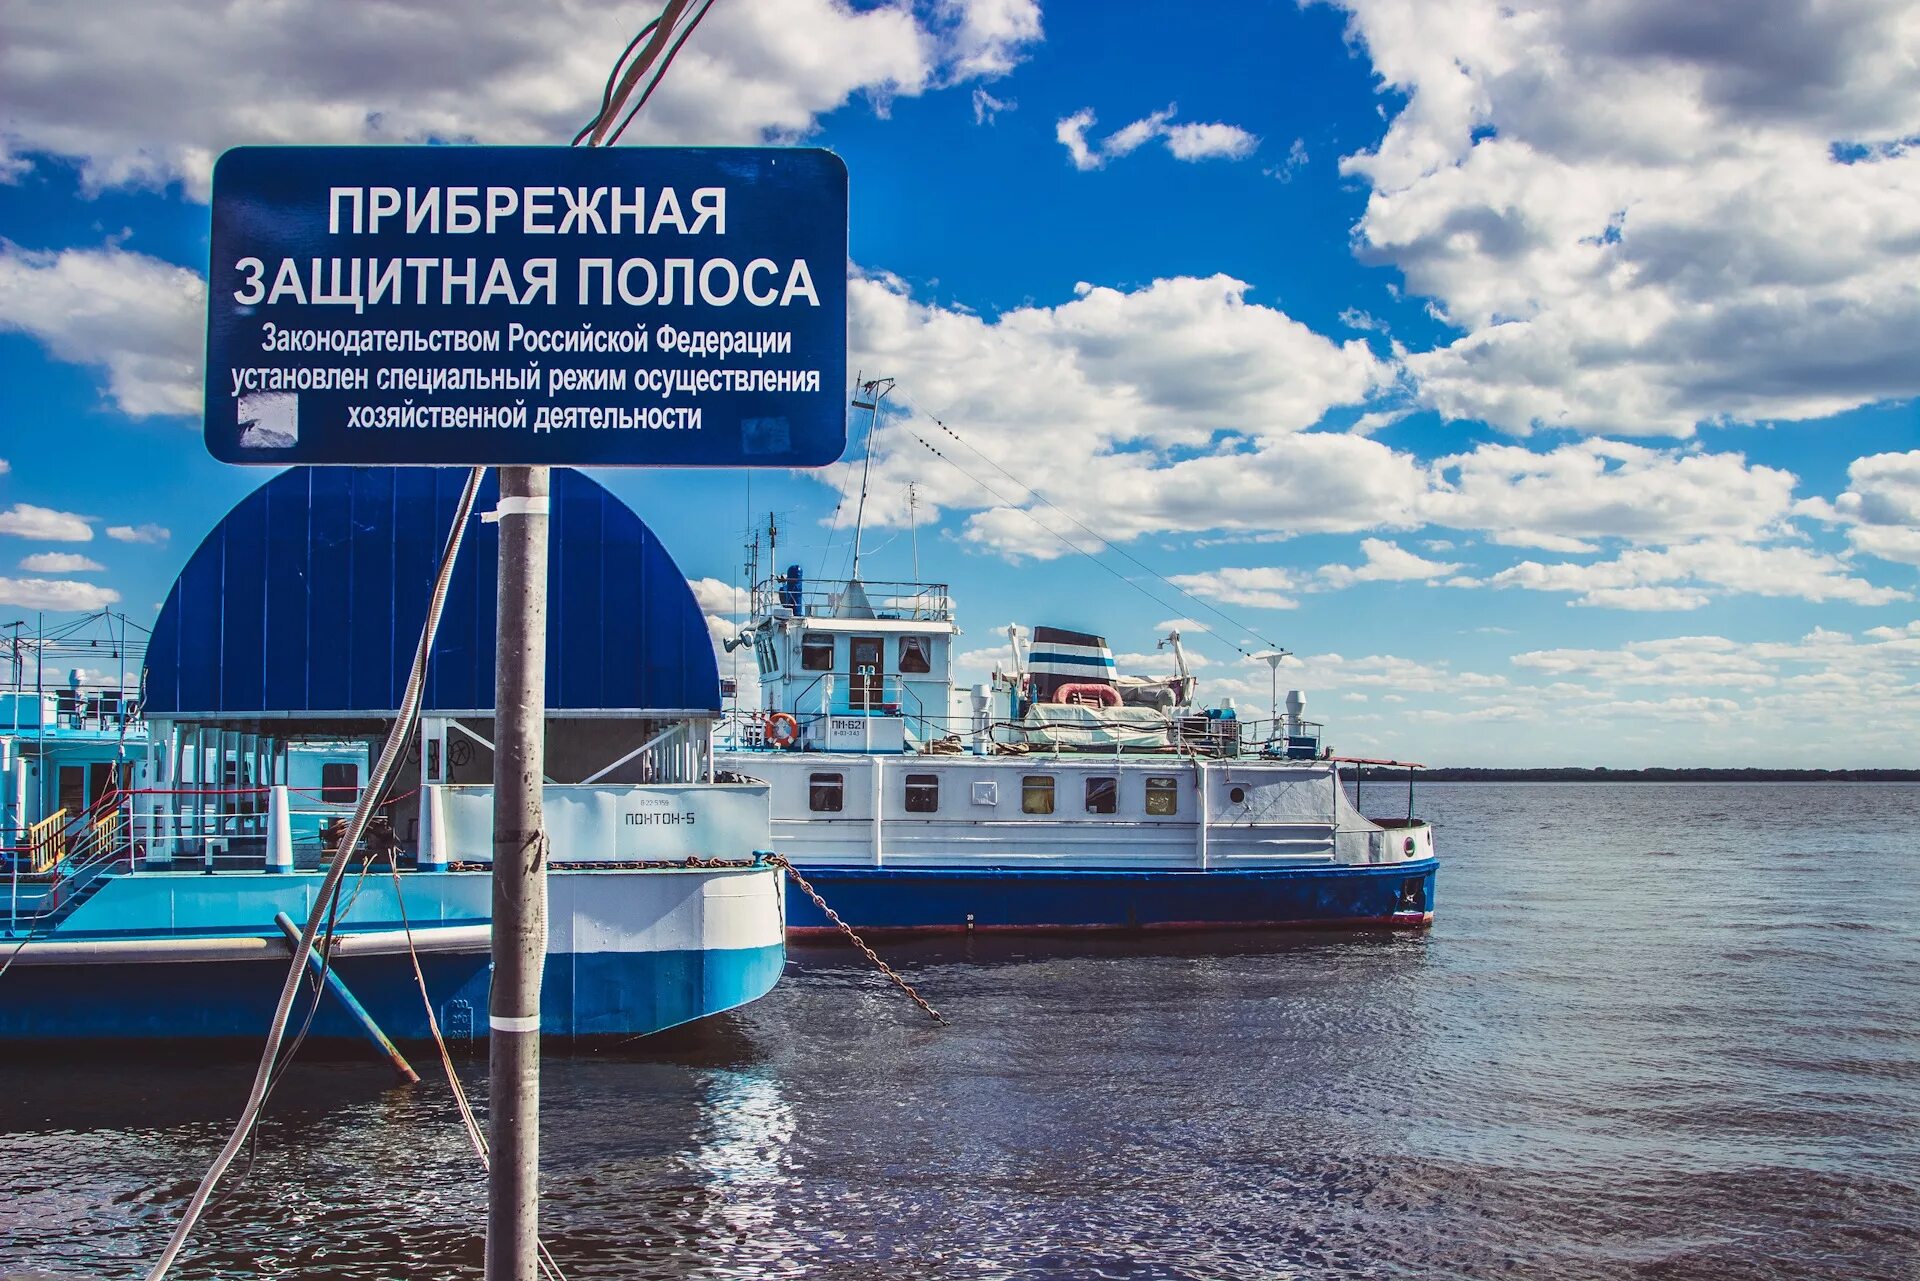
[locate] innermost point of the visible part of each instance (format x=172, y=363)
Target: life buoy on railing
x=1085, y=692
x=782, y=730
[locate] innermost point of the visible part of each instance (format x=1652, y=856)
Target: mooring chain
x=921, y=1001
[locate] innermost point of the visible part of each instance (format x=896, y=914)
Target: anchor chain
x=780, y=861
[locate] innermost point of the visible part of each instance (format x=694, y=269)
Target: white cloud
x=139, y=533
x=138, y=319
x=716, y=597
x=987, y=108
x=1385, y=562
x=1180, y=625
x=1296, y=161
x=1071, y=132
x=1177, y=406
x=1188, y=142
x=146, y=94
x=54, y=593
x=1564, y=497
x=60, y=563
x=1645, y=215
x=1258, y=588
x=43, y=524
x=1881, y=506
x=1210, y=142
x=5, y=466
x=1687, y=575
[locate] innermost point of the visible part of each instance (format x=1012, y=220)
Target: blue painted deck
x=958, y=899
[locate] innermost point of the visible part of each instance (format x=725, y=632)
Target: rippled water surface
x=1656, y=1031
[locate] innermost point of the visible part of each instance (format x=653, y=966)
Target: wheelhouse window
x=1036, y=794
x=339, y=784
x=915, y=654
x=923, y=793
x=816, y=652
x=1163, y=795
x=1103, y=795
x=826, y=793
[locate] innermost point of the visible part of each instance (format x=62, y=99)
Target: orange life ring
x=782, y=730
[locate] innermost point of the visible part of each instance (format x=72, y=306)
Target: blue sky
x=1542, y=375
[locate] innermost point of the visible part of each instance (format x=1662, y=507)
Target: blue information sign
x=621, y=306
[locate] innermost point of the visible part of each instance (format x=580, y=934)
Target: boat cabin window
x=923, y=793
x=1036, y=794
x=764, y=652
x=816, y=652
x=915, y=654
x=1163, y=795
x=1103, y=795
x=339, y=784
x=826, y=793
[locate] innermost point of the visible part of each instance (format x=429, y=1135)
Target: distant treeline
x=1601, y=774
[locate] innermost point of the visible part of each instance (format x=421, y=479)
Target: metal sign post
x=526, y=307
x=519, y=877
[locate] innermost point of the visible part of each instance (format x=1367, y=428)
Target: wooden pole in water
x=519, y=879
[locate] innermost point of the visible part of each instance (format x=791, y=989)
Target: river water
x=1660, y=1031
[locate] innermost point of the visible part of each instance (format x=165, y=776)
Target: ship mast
x=876, y=391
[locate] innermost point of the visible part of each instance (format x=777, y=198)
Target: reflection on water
x=1655, y=1032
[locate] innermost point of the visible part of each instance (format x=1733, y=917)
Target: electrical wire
x=325, y=900
x=661, y=74
x=1036, y=496
x=606, y=94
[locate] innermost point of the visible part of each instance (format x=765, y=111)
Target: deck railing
x=47, y=843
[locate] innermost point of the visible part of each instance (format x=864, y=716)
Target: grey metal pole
x=519, y=879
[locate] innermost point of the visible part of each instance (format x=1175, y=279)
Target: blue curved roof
x=307, y=599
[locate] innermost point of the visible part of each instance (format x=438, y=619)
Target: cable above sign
x=528, y=306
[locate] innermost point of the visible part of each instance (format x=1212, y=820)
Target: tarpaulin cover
x=309, y=595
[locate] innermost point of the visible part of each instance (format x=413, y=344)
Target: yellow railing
x=47, y=842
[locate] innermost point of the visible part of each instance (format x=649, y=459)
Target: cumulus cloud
x=60, y=563
x=1563, y=498
x=146, y=94
x=1258, y=588
x=1181, y=405
x=139, y=533
x=1385, y=562
x=135, y=318
x=1186, y=408
x=1643, y=216
x=1688, y=575
x=716, y=597
x=43, y=524
x=1189, y=142
x=55, y=593
x=1881, y=506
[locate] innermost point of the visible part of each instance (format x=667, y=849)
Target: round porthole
x=1238, y=795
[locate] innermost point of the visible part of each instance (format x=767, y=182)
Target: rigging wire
x=326, y=899
x=1106, y=543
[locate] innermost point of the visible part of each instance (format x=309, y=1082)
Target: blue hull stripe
x=584, y=995
x=935, y=899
